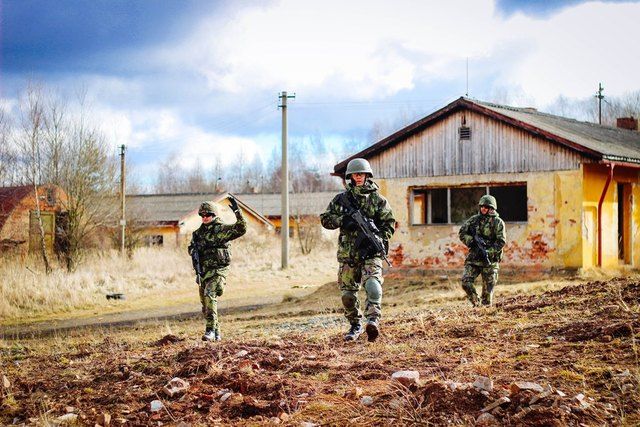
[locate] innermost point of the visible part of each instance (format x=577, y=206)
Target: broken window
x=154, y=240
x=454, y=205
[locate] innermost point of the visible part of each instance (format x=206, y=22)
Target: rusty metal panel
x=494, y=147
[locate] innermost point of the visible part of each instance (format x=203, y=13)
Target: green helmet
x=487, y=200
x=358, y=166
x=208, y=207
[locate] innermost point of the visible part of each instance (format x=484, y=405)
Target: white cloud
x=373, y=49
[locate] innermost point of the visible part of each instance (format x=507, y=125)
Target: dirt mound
x=576, y=344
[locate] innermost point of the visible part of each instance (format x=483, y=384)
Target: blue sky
x=201, y=78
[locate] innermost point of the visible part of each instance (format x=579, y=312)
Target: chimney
x=627, y=123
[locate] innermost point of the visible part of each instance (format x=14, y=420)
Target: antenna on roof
x=467, y=92
x=600, y=97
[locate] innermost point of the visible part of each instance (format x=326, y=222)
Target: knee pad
x=349, y=299
x=374, y=290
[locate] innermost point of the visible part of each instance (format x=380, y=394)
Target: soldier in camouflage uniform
x=355, y=269
x=211, y=240
x=490, y=228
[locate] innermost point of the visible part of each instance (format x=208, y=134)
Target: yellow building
x=568, y=190
x=169, y=219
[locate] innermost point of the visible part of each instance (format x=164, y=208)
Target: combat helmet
x=209, y=207
x=358, y=166
x=488, y=200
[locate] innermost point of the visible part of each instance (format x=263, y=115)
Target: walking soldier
x=366, y=224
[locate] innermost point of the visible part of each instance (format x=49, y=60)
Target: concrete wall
x=551, y=238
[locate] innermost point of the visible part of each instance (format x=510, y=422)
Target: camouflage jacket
x=212, y=242
x=371, y=204
x=491, y=229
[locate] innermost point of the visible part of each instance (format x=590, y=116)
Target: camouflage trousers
x=351, y=277
x=489, y=280
x=211, y=287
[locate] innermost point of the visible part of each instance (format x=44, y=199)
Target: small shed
x=19, y=230
x=569, y=191
x=169, y=219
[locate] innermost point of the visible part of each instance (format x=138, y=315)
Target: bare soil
x=290, y=365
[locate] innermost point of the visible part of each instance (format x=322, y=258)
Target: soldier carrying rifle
x=209, y=250
x=366, y=224
x=484, y=235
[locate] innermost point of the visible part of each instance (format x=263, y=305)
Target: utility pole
x=600, y=97
x=123, y=221
x=284, y=211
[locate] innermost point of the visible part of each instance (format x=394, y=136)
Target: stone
x=284, y=416
x=175, y=387
x=497, y=403
x=483, y=383
x=69, y=409
x=67, y=419
x=275, y=420
x=453, y=385
x=223, y=391
x=561, y=393
x=6, y=384
x=487, y=420
x=406, y=378
x=242, y=353
x=366, y=400
x=517, y=386
x=225, y=396
x=245, y=366
x=540, y=397
x=156, y=405
x=104, y=419
x=308, y=424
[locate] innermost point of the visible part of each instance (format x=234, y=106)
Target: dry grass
x=157, y=277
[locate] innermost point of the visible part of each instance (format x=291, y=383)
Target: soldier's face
x=359, y=178
x=484, y=210
x=207, y=219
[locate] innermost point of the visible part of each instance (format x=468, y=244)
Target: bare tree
x=29, y=143
x=85, y=169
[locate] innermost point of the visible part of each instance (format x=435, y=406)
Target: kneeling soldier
x=360, y=262
x=210, y=243
x=484, y=235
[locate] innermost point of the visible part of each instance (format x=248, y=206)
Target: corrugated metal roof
x=163, y=208
x=612, y=143
x=299, y=203
x=168, y=207
x=595, y=141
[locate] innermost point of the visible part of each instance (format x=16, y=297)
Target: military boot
x=217, y=335
x=372, y=330
x=209, y=335
x=354, y=332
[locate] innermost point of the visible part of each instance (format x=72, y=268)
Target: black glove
x=348, y=224
x=234, y=205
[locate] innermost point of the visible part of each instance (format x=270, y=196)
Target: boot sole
x=372, y=332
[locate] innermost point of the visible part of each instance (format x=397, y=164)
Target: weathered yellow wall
x=169, y=235
x=550, y=238
x=595, y=177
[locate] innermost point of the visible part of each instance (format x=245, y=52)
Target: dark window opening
x=455, y=205
x=156, y=240
x=464, y=202
x=512, y=202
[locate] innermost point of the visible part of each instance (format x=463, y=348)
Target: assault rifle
x=368, y=241
x=195, y=260
x=482, y=246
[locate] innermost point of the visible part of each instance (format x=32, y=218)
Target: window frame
x=426, y=191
